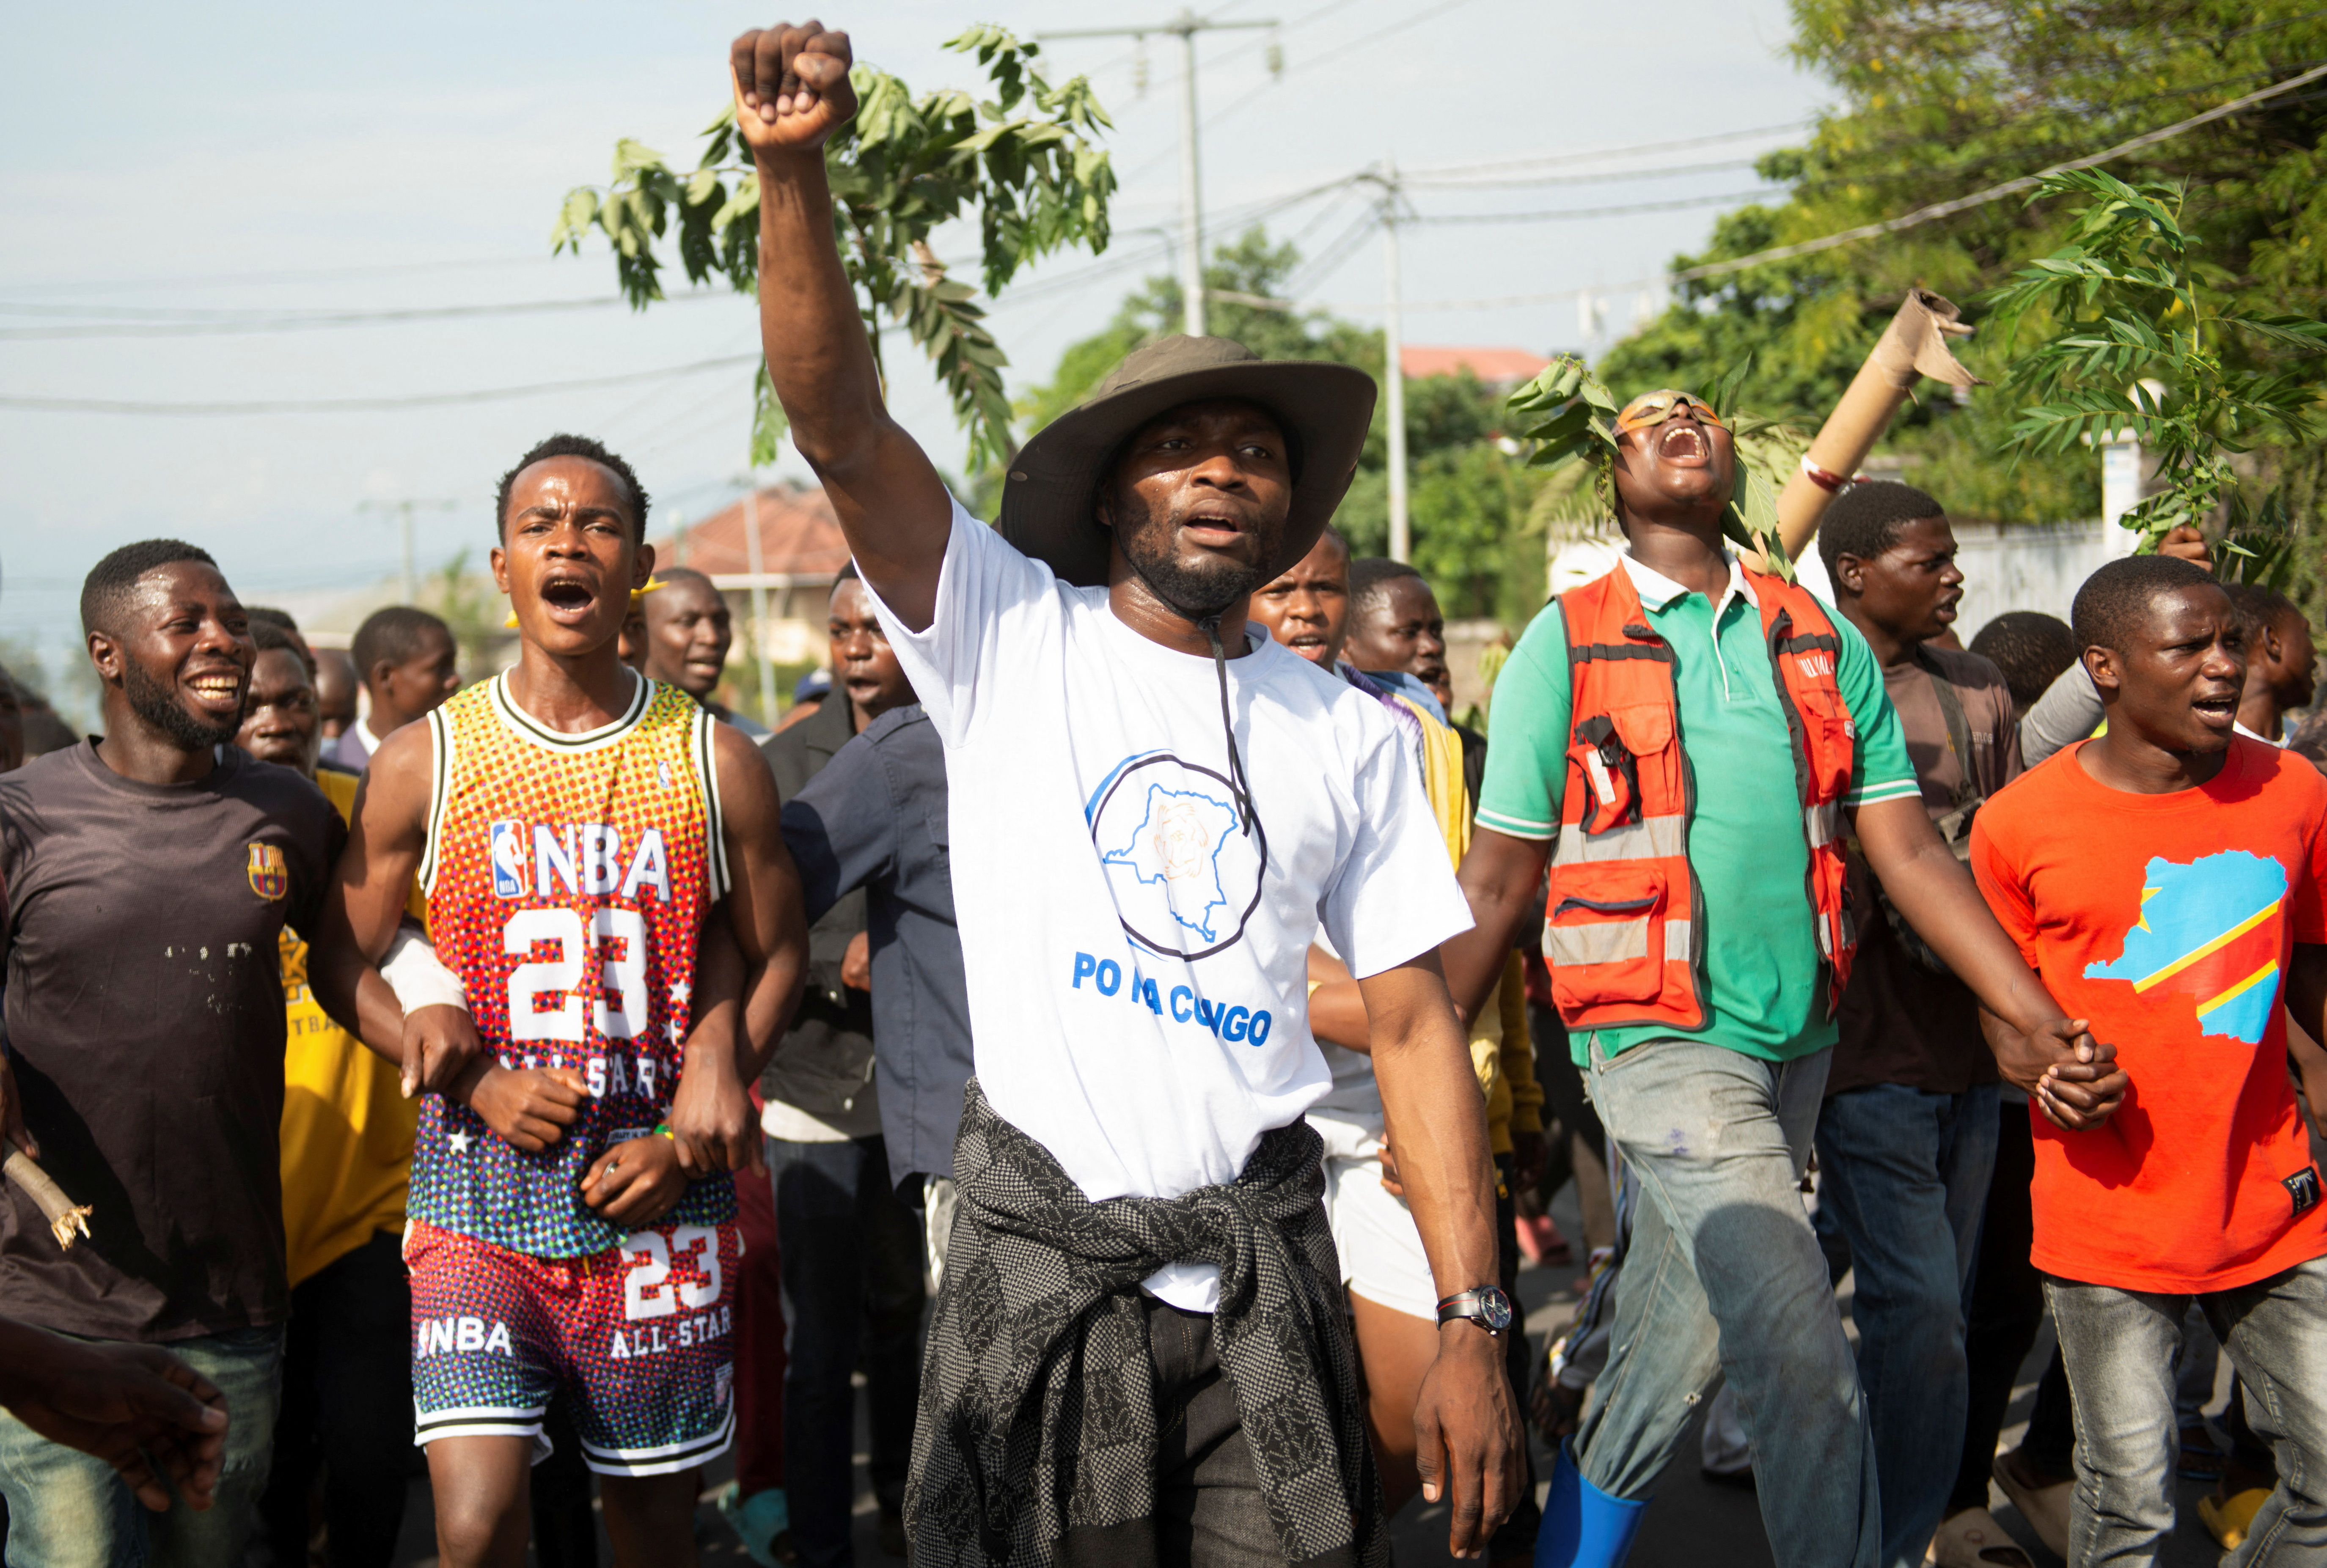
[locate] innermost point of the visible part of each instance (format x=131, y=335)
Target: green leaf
x=631, y=156
x=574, y=219
x=768, y=421
x=1028, y=177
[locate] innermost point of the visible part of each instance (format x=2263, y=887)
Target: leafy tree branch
x=1024, y=165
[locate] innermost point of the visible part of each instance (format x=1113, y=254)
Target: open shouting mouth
x=1683, y=445
x=568, y=597
x=2217, y=712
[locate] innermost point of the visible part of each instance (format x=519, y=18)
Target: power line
x=307, y=321
x=1937, y=210
x=1330, y=55
x=1569, y=212
x=1606, y=177
x=1593, y=154
x=228, y=280
x=363, y=404
x=1325, y=59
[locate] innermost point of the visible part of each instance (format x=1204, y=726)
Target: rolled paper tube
x=67, y=1222
x=1914, y=345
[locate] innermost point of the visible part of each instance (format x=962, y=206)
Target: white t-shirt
x=1136, y=964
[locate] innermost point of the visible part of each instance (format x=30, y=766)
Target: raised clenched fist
x=792, y=86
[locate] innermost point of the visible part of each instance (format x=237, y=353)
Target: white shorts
x=1382, y=1258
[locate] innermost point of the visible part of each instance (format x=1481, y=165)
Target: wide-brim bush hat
x=1049, y=502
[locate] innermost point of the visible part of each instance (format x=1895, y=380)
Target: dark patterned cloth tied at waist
x=1038, y=1398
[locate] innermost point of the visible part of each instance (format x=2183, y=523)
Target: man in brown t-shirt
x=146, y=878
x=1906, y=1140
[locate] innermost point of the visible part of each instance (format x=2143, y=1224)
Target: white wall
x=2013, y=567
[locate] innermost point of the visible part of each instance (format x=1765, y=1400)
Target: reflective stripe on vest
x=1620, y=924
x=1651, y=836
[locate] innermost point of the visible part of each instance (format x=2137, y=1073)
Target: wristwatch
x=1485, y=1306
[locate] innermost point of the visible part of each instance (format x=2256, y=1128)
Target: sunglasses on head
x=1653, y=408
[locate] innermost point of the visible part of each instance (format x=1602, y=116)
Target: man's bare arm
x=751, y=962
x=365, y=902
x=1434, y=1116
x=435, y=1048
x=1500, y=876
x=765, y=907
x=2306, y=1006
x=2038, y=1046
x=792, y=93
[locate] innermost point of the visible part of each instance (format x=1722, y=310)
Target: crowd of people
x=568, y=1078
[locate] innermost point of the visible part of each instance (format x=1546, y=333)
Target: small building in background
x=800, y=556
x=1499, y=369
x=777, y=594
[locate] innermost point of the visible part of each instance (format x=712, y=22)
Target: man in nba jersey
x=609, y=898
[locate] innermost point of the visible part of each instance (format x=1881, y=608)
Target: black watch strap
x=1486, y=1306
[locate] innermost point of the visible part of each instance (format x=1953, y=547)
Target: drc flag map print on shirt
x=2211, y=929
x=1185, y=874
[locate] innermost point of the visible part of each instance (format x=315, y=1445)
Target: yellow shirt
x=1500, y=1053
x=347, y=1128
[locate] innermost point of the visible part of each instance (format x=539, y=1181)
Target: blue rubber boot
x=757, y=1520
x=1584, y=1527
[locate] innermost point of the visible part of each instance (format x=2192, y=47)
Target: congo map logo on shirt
x=1186, y=876
x=2209, y=929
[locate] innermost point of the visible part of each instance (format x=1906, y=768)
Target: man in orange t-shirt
x=2166, y=881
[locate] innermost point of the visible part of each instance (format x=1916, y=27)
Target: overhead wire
x=1935, y=210
x=306, y=321
x=230, y=280
x=1560, y=214
x=365, y=404
x=1928, y=213
x=1591, y=154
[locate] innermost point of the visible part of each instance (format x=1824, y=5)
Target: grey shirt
x=145, y=1026
x=2069, y=711
x=875, y=820
x=823, y=1065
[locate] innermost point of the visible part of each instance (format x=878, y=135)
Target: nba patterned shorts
x=639, y=1338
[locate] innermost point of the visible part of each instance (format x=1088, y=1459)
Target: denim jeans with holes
x=1724, y=1276
x=2119, y=1346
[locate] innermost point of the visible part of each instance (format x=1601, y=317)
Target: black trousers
x=1209, y=1509
x=346, y=1411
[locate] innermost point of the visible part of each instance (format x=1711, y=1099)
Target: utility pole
x=756, y=565
x=404, y=510
x=1185, y=26
x=1401, y=542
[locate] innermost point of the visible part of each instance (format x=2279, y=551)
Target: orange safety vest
x=1621, y=926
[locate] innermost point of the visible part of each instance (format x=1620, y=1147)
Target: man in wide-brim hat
x=1139, y=1354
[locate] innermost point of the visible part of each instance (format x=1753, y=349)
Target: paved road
x=1692, y=1523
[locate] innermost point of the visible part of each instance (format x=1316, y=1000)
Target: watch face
x=1495, y=1309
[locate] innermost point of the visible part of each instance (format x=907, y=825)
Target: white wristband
x=419, y=980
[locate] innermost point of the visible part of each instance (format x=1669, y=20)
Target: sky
x=167, y=166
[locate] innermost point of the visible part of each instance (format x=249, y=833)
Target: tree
x=1943, y=98
x=2127, y=308
x=1034, y=183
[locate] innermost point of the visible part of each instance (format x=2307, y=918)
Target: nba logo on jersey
x=509, y=879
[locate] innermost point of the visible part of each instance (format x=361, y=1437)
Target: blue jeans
x=68, y=1510
x=1903, y=1176
x=2119, y=1346
x=851, y=1257
x=1724, y=1275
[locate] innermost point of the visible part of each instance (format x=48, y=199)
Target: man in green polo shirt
x=1705, y=1024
